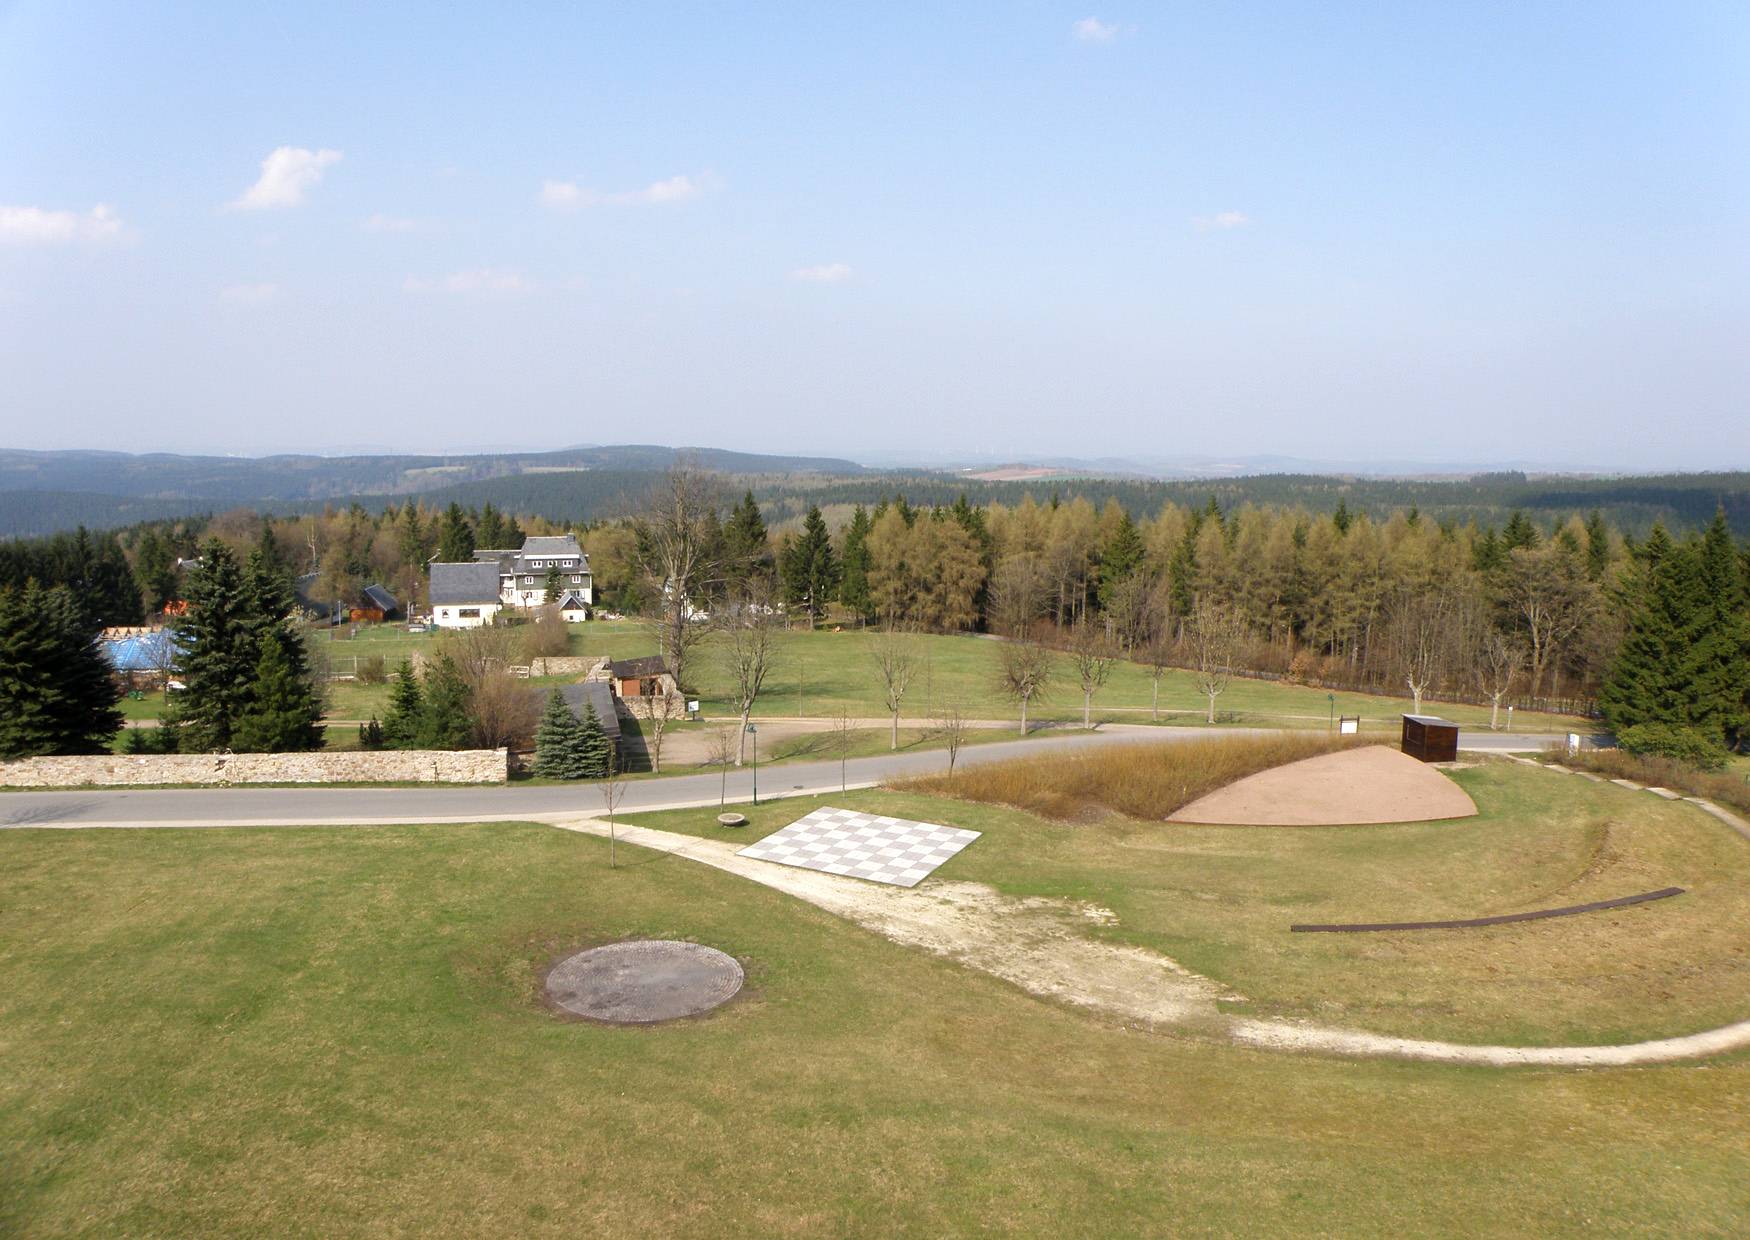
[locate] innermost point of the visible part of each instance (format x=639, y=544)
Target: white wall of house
x=530, y=589
x=464, y=616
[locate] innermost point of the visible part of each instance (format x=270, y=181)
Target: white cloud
x=35, y=226
x=1093, y=30
x=286, y=175
x=249, y=294
x=380, y=223
x=824, y=273
x=569, y=195
x=1220, y=221
x=476, y=280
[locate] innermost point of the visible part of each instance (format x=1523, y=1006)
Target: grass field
x=1220, y=899
x=337, y=1032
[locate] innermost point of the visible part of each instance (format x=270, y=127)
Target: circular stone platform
x=645, y=981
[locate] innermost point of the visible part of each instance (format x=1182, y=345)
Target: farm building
x=644, y=677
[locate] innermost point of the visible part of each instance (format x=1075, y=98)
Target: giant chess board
x=858, y=845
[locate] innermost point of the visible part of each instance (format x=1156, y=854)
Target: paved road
x=361, y=806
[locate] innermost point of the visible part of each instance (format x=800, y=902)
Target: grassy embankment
x=338, y=1032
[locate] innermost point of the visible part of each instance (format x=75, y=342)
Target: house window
x=444, y=614
x=576, y=579
x=469, y=613
x=528, y=581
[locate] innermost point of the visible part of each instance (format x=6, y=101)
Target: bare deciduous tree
x=1019, y=591
x=1157, y=644
x=1216, y=632
x=657, y=710
x=1547, y=589
x=676, y=555
x=747, y=628
x=720, y=751
x=952, y=726
x=1024, y=673
x=1092, y=656
x=841, y=729
x=1421, y=632
x=613, y=789
x=896, y=661
x=1498, y=658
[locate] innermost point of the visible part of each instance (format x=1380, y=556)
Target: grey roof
x=599, y=692
x=552, y=544
x=494, y=555
x=472, y=582
x=380, y=598
x=570, y=599
x=644, y=665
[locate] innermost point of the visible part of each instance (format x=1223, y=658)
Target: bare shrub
x=548, y=637
x=1147, y=781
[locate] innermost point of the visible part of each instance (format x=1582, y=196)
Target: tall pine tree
x=811, y=571
x=406, y=716
x=455, y=536
x=57, y=694
x=283, y=709
x=854, y=577
x=445, y=722
x=216, y=640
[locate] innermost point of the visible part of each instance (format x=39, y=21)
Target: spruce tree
x=217, y=652
x=554, y=586
x=1652, y=680
x=405, y=720
x=57, y=695
x=1519, y=533
x=1119, y=559
x=559, y=752
x=1719, y=659
x=746, y=545
x=444, y=721
x=491, y=530
x=854, y=579
x=455, y=536
x=597, y=749
x=810, y=570
x=283, y=710
x=1597, y=546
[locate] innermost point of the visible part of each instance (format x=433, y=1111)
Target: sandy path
x=1037, y=945
x=1372, y=784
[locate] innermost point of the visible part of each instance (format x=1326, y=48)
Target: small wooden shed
x=1430, y=738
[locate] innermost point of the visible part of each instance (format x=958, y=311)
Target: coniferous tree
x=854, y=579
x=282, y=713
x=597, y=749
x=554, y=586
x=491, y=533
x=217, y=655
x=1119, y=559
x=1719, y=659
x=57, y=695
x=559, y=752
x=810, y=570
x=1651, y=681
x=746, y=544
x=1597, y=546
x=1519, y=533
x=444, y=718
x=455, y=536
x=371, y=734
x=405, y=720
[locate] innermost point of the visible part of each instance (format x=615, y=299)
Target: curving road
x=317, y=806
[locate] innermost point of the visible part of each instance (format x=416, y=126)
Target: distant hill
x=41, y=492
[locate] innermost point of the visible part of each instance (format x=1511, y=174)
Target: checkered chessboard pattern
x=844, y=841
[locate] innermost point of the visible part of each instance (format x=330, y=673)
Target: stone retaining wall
x=465, y=766
x=567, y=665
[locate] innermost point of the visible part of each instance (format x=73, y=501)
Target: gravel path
x=1039, y=945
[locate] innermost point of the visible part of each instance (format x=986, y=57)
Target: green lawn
x=823, y=672
x=337, y=1032
x=1220, y=901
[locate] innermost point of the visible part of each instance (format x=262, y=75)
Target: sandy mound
x=1375, y=784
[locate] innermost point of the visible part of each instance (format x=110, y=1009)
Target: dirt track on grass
x=1040, y=945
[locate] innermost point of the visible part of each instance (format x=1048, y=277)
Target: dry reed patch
x=1141, y=781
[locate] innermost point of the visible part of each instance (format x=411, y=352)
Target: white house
x=523, y=574
x=465, y=595
x=573, y=607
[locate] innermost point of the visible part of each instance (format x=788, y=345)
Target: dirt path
x=1039, y=945
x=1371, y=784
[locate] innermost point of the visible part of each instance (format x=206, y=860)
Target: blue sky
x=1443, y=233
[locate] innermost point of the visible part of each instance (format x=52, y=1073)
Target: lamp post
x=755, y=733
